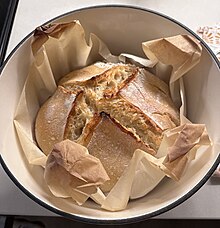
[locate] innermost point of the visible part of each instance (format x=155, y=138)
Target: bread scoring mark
x=78, y=117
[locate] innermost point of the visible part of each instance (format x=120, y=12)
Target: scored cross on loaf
x=112, y=109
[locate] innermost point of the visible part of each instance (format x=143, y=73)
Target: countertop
x=202, y=205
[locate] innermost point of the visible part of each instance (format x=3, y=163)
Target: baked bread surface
x=112, y=109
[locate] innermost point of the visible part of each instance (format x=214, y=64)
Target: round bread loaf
x=112, y=109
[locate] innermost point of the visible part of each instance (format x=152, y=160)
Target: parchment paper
x=61, y=48
x=72, y=171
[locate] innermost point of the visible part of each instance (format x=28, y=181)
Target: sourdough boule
x=112, y=111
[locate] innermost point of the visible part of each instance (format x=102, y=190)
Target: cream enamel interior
x=122, y=29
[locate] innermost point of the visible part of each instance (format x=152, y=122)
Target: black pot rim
x=123, y=220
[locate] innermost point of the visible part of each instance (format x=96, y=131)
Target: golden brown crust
x=84, y=74
x=138, y=108
x=135, y=98
x=51, y=119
